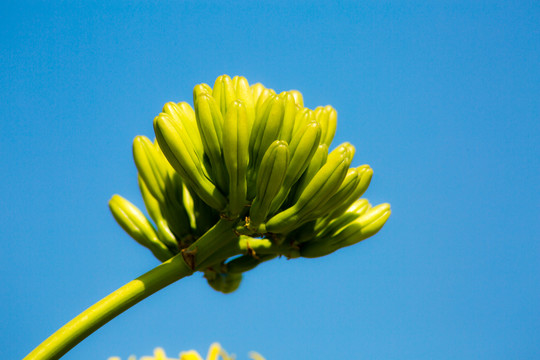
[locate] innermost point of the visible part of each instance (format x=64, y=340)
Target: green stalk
x=214, y=246
x=215, y=243
x=109, y=307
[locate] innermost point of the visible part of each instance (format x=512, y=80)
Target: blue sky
x=440, y=98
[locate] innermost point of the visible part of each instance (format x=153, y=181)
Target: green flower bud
x=223, y=92
x=327, y=116
x=236, y=155
x=271, y=175
x=138, y=227
x=323, y=185
x=181, y=154
x=210, y=122
x=245, y=95
x=225, y=283
x=355, y=231
x=298, y=99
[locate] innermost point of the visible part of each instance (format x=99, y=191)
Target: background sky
x=440, y=98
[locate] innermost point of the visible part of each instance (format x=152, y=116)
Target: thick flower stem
x=216, y=242
x=109, y=307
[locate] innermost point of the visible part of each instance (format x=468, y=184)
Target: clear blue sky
x=440, y=98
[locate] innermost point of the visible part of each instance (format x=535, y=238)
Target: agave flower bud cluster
x=249, y=171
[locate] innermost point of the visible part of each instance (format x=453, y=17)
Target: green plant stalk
x=221, y=236
x=109, y=307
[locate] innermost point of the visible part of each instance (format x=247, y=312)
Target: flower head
x=251, y=167
x=215, y=352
